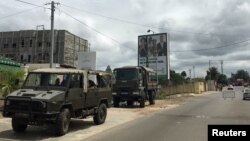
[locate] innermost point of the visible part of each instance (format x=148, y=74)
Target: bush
x=8, y=81
x=161, y=94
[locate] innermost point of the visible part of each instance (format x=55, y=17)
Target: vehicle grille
x=24, y=106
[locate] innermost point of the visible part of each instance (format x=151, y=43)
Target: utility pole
x=221, y=63
x=52, y=33
x=190, y=73
x=209, y=66
x=194, y=70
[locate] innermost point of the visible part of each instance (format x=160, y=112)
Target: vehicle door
x=92, y=93
x=75, y=94
x=104, y=88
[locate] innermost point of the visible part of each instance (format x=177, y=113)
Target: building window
x=48, y=44
x=5, y=45
x=14, y=45
x=30, y=43
x=22, y=43
x=21, y=58
x=40, y=44
x=29, y=58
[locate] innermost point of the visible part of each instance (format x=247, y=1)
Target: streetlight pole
x=149, y=30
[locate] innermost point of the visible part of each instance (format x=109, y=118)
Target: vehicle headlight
x=140, y=83
x=114, y=93
x=7, y=103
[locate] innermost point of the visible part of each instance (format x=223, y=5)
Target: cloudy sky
x=112, y=28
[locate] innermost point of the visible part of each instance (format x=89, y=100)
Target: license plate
x=124, y=93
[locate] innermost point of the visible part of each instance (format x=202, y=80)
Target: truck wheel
x=100, y=116
x=18, y=126
x=130, y=102
x=152, y=98
x=62, y=123
x=142, y=102
x=116, y=101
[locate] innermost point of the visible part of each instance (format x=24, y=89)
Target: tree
x=176, y=78
x=183, y=74
x=242, y=74
x=222, y=79
x=108, y=69
x=212, y=74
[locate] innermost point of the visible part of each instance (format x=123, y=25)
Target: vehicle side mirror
x=17, y=81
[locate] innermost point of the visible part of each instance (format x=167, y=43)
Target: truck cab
x=132, y=84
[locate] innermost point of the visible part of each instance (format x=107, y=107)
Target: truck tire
x=18, y=126
x=142, y=102
x=116, y=101
x=130, y=102
x=100, y=116
x=62, y=123
x=152, y=97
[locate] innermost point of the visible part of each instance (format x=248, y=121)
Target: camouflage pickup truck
x=54, y=96
x=134, y=83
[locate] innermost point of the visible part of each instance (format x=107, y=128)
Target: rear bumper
x=127, y=96
x=246, y=96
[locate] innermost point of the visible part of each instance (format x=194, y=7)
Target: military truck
x=54, y=96
x=134, y=83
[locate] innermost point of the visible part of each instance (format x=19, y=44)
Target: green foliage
x=199, y=79
x=242, y=74
x=222, y=79
x=161, y=94
x=183, y=74
x=176, y=78
x=8, y=81
x=212, y=74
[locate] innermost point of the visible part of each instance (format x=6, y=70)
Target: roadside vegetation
x=9, y=80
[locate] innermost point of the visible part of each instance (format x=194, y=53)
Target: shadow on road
x=45, y=132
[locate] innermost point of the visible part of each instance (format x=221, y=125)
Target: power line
x=17, y=13
x=130, y=48
x=92, y=28
x=138, y=24
x=31, y=4
x=130, y=23
x=234, y=43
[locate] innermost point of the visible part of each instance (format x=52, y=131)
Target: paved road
x=184, y=123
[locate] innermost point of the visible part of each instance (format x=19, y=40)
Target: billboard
x=153, y=52
x=87, y=60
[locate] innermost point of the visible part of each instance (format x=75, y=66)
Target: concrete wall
x=195, y=87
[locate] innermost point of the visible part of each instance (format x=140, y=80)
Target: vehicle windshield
x=46, y=80
x=125, y=74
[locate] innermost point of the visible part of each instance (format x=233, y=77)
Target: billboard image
x=153, y=52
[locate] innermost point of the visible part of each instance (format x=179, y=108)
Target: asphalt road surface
x=187, y=122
